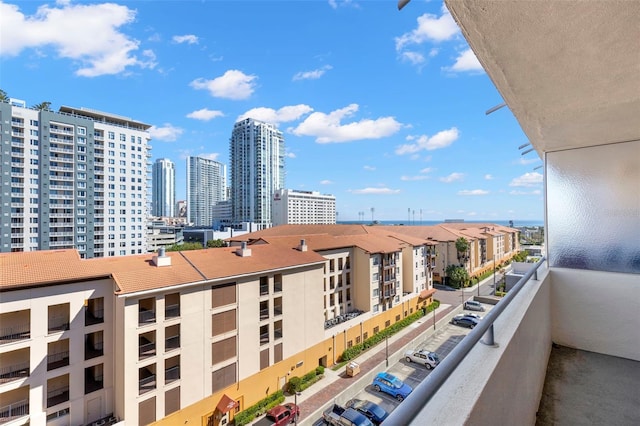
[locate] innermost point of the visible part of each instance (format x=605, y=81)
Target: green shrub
x=247, y=416
x=319, y=370
x=293, y=385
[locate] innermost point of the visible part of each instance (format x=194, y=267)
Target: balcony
x=15, y=326
x=13, y=411
x=57, y=360
x=16, y=371
x=57, y=396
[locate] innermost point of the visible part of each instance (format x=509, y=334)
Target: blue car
x=390, y=384
x=373, y=411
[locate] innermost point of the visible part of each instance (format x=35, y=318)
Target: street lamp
x=434, y=318
x=386, y=350
x=295, y=402
x=494, y=274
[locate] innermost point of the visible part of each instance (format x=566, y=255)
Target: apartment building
x=171, y=335
x=257, y=157
x=292, y=207
x=78, y=179
x=206, y=186
x=164, y=188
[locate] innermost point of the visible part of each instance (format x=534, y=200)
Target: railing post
x=489, y=337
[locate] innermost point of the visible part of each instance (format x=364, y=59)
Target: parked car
x=341, y=416
x=469, y=314
x=283, y=414
x=473, y=305
x=373, y=411
x=424, y=357
x=390, y=384
x=464, y=321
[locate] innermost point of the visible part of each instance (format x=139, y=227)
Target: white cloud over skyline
x=312, y=75
x=233, y=84
x=205, y=114
x=167, y=132
x=440, y=140
x=328, y=128
x=282, y=115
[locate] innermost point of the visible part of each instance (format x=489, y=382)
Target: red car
x=283, y=414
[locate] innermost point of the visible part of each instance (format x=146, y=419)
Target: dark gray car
x=465, y=321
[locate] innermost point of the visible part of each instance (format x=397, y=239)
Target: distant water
x=516, y=223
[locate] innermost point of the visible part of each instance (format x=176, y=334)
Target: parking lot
x=442, y=342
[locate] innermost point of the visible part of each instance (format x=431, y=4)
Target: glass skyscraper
x=257, y=171
x=164, y=188
x=206, y=186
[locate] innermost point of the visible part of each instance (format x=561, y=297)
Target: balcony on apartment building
x=15, y=405
x=14, y=365
x=564, y=348
x=15, y=326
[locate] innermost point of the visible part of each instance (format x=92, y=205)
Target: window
x=224, y=377
x=223, y=350
x=264, y=334
x=223, y=322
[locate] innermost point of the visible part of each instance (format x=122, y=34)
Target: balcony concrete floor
x=587, y=388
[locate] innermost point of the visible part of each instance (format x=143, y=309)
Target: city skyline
x=382, y=110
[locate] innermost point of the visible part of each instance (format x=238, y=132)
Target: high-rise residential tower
x=76, y=178
x=206, y=186
x=164, y=188
x=257, y=171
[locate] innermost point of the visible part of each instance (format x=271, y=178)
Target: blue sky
x=381, y=108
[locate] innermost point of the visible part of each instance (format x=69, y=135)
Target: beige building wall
x=50, y=373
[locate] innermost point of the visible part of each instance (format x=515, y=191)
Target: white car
x=424, y=357
x=469, y=314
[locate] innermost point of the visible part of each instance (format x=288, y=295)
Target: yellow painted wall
x=264, y=383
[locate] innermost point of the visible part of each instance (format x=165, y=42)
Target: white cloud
x=233, y=84
x=312, y=75
x=326, y=182
x=453, y=177
x=527, y=180
x=187, y=38
x=421, y=176
x=290, y=155
x=466, y=61
x=430, y=28
x=369, y=168
x=517, y=192
x=526, y=161
x=210, y=156
x=282, y=115
x=205, y=114
x=383, y=191
x=412, y=178
x=166, y=133
x=441, y=139
x=86, y=33
x=473, y=192
x=472, y=214
x=327, y=128
x=488, y=176
x=415, y=58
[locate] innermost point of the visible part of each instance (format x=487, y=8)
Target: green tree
x=458, y=276
x=43, y=106
x=3, y=96
x=462, y=247
x=215, y=243
x=185, y=247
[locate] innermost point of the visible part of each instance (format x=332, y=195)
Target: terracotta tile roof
x=138, y=273
x=43, y=267
x=224, y=262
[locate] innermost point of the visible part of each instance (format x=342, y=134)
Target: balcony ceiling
x=568, y=70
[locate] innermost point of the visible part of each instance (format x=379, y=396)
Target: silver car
x=472, y=305
x=424, y=357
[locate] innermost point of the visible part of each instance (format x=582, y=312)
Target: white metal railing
x=406, y=412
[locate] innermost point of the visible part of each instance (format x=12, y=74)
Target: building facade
x=164, y=188
x=302, y=208
x=206, y=186
x=256, y=152
x=76, y=178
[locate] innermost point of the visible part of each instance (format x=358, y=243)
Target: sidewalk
x=334, y=382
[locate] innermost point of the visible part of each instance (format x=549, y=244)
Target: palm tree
x=462, y=247
x=3, y=96
x=43, y=106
